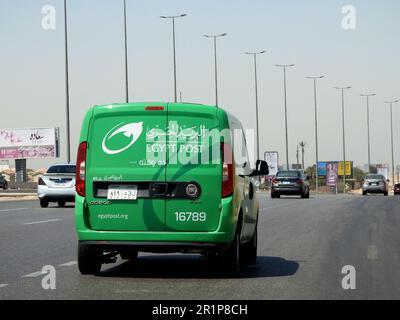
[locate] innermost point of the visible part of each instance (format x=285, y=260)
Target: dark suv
x=291, y=182
x=3, y=182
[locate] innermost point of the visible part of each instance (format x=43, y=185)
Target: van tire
x=44, y=203
x=250, y=249
x=89, y=262
x=231, y=259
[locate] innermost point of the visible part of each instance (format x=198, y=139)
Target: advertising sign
x=331, y=174
x=32, y=143
x=272, y=158
x=383, y=169
x=349, y=168
x=322, y=169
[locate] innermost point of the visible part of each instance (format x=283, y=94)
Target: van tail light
x=41, y=182
x=81, y=170
x=227, y=170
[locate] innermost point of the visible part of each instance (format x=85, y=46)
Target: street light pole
x=391, y=128
x=368, y=131
x=126, y=56
x=254, y=54
x=215, y=62
x=67, y=84
x=284, y=66
x=344, y=137
x=174, y=48
x=316, y=131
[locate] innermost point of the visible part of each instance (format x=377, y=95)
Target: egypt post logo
x=130, y=130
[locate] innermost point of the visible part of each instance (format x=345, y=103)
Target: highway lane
x=303, y=246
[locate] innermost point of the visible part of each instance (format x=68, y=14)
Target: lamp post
x=391, y=129
x=255, y=54
x=368, y=132
x=316, y=130
x=284, y=67
x=215, y=62
x=174, y=48
x=67, y=84
x=126, y=56
x=344, y=137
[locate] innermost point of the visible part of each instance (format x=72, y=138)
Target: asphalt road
x=303, y=246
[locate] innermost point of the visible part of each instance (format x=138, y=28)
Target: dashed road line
x=33, y=274
x=16, y=209
x=39, y=222
x=68, y=264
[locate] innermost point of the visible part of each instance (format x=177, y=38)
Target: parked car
x=57, y=185
x=375, y=183
x=3, y=182
x=290, y=182
x=396, y=189
x=128, y=202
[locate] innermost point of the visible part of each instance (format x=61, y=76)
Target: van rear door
x=117, y=160
x=190, y=160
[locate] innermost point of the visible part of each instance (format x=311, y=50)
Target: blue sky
x=305, y=32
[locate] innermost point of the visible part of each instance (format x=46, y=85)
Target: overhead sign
x=31, y=143
x=272, y=158
x=349, y=168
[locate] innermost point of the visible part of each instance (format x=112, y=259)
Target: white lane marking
x=16, y=209
x=372, y=252
x=33, y=274
x=68, y=264
x=44, y=221
x=3, y=285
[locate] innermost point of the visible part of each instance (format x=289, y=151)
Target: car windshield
x=288, y=174
x=62, y=169
x=375, y=177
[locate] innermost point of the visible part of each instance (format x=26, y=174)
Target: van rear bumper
x=153, y=246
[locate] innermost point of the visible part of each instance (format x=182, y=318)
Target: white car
x=57, y=185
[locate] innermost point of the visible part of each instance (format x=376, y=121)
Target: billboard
x=331, y=174
x=349, y=168
x=272, y=158
x=34, y=143
x=383, y=169
x=321, y=168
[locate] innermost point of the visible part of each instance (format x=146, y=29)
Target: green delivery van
x=162, y=178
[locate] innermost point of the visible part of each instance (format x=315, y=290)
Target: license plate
x=375, y=184
x=285, y=182
x=122, y=192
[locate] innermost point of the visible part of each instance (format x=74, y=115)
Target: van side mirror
x=262, y=169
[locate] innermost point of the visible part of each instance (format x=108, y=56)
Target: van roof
x=150, y=103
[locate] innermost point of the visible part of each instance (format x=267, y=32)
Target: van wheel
x=250, y=249
x=44, y=203
x=231, y=257
x=88, y=261
x=61, y=204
